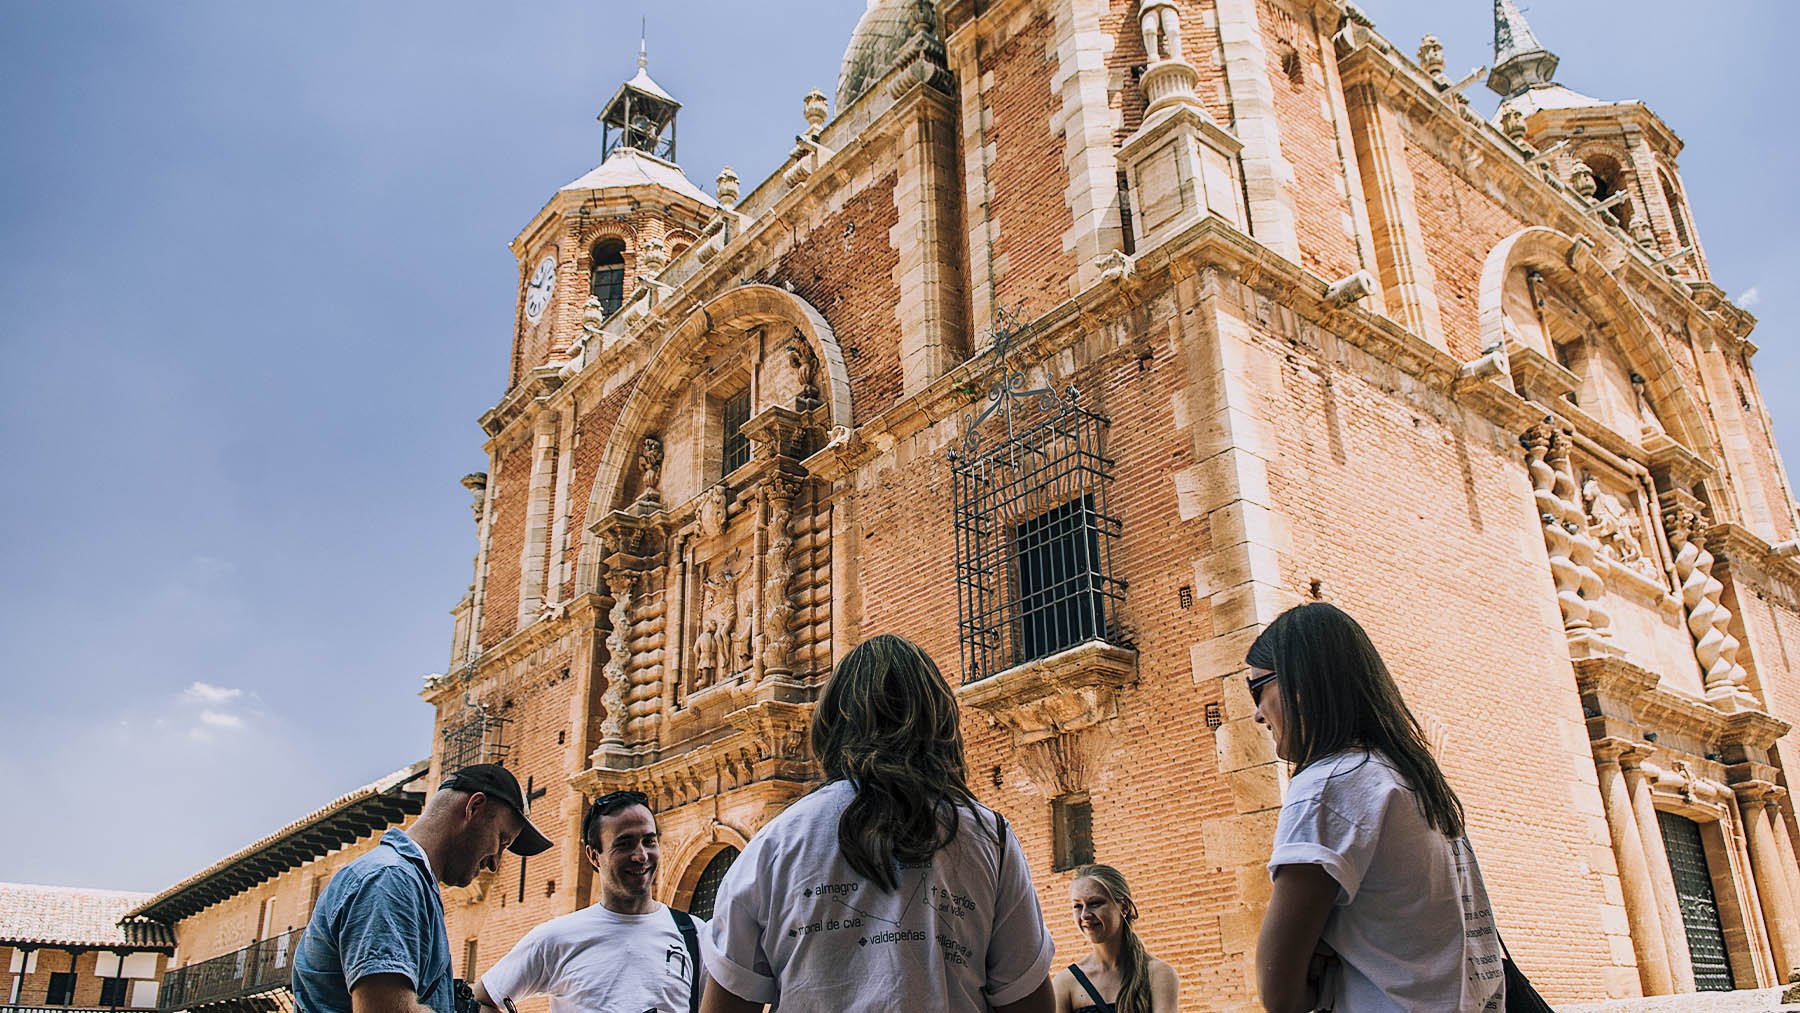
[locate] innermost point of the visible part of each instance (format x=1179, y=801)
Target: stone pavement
x=1741, y=1001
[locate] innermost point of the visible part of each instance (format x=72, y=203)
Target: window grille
x=706, y=891
x=1034, y=536
x=737, y=445
x=479, y=738
x=1699, y=908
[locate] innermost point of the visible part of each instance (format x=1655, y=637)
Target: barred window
x=1072, y=832
x=112, y=991
x=480, y=737
x=1034, y=537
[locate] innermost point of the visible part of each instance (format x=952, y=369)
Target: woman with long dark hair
x=889, y=887
x=1378, y=903
x=1117, y=965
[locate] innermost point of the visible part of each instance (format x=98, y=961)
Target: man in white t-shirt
x=629, y=953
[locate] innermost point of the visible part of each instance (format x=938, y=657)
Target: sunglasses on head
x=606, y=805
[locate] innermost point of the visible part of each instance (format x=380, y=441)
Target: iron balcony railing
x=4, y=1008
x=262, y=967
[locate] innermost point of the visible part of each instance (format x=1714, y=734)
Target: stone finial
x=816, y=110
x=728, y=188
x=653, y=256
x=476, y=482
x=1431, y=61
x=1581, y=177
x=1512, y=124
x=593, y=316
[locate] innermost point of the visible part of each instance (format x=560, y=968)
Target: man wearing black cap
x=376, y=942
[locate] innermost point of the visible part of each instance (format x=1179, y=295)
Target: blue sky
x=256, y=292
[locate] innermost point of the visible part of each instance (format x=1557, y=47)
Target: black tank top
x=1099, y=1005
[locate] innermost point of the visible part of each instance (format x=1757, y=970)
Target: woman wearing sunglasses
x=1378, y=903
x=889, y=887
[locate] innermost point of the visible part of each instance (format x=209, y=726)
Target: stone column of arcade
x=1634, y=872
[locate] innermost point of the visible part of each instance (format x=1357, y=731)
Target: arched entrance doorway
x=706, y=889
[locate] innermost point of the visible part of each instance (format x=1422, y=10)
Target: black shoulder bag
x=690, y=936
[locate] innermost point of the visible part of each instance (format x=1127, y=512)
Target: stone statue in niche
x=650, y=462
x=1612, y=523
x=712, y=512
x=806, y=370
x=1161, y=24
x=715, y=650
x=742, y=652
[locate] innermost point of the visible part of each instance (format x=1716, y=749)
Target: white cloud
x=206, y=692
x=1750, y=297
x=220, y=719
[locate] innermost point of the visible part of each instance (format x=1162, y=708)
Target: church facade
x=1075, y=340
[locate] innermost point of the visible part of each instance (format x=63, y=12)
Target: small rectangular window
x=1128, y=241
x=62, y=989
x=1060, y=601
x=1072, y=817
x=112, y=991
x=469, y=960
x=737, y=445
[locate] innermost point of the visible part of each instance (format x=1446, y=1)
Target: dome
x=877, y=43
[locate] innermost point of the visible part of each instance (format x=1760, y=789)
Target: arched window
x=707, y=889
x=606, y=275
x=1609, y=179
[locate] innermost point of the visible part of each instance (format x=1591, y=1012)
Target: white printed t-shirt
x=599, y=961
x=1412, y=927
x=794, y=924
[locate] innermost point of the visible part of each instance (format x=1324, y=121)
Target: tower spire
x=1520, y=60
x=643, y=50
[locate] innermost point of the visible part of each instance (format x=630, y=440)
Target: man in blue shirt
x=376, y=942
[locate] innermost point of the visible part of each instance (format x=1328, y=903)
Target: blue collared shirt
x=381, y=914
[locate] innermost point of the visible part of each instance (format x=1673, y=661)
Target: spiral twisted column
x=612, y=729
x=1572, y=550
x=1708, y=621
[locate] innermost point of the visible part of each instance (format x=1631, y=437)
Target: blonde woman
x=1116, y=964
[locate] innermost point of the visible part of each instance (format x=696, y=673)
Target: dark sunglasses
x=606, y=805
x=1257, y=682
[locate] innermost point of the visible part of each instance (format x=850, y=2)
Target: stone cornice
x=564, y=203
x=519, y=404
x=1633, y=113
x=1065, y=692
x=557, y=624
x=1753, y=559
x=1506, y=167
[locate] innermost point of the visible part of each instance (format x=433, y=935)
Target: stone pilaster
x=1402, y=263
x=929, y=273
x=1647, y=939
x=1087, y=127
x=537, y=515
x=1268, y=176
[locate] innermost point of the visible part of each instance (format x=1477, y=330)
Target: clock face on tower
x=542, y=287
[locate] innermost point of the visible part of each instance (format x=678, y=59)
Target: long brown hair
x=1337, y=693
x=1134, y=962
x=887, y=723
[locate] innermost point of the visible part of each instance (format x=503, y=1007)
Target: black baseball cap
x=496, y=781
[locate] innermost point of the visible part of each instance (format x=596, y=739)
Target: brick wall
x=1461, y=225
x=511, y=489
x=845, y=268
x=591, y=433
x=1027, y=175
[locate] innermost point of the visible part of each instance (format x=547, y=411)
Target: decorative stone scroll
x=1572, y=549
x=1707, y=620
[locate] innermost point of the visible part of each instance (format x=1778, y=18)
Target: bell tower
x=596, y=247
x=641, y=116
x=1619, y=155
